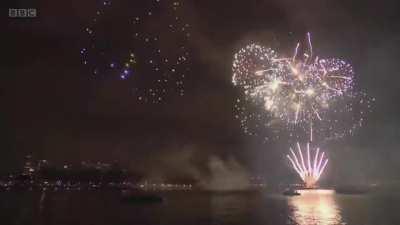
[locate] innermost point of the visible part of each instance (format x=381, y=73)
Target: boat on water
x=137, y=196
x=291, y=192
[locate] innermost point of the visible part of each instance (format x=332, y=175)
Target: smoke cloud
x=226, y=175
x=211, y=173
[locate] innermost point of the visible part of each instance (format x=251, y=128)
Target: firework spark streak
x=303, y=91
x=311, y=171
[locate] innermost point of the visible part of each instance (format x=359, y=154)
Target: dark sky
x=51, y=109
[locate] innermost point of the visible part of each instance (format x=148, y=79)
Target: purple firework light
x=308, y=167
x=145, y=47
x=304, y=92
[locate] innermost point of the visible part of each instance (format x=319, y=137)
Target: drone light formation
x=145, y=49
x=308, y=167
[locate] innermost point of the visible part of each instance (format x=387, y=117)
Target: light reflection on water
x=188, y=208
x=315, y=207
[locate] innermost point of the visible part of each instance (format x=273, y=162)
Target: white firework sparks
x=292, y=89
x=309, y=168
x=302, y=91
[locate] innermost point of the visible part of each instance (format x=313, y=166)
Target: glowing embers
x=309, y=167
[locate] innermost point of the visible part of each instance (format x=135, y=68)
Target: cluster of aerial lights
x=301, y=92
x=145, y=46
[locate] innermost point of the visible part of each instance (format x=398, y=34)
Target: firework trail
x=309, y=168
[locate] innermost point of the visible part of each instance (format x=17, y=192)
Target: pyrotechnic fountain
x=309, y=168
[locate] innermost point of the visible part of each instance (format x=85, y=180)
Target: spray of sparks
x=303, y=91
x=145, y=47
x=308, y=167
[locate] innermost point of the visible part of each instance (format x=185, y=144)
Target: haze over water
x=105, y=208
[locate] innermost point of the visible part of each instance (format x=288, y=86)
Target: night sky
x=53, y=109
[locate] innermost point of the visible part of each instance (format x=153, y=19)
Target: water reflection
x=229, y=208
x=315, y=207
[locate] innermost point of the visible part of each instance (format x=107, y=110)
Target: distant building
x=29, y=166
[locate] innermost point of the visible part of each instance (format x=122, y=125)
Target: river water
x=322, y=207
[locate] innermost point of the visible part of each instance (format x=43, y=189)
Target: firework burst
x=308, y=167
x=303, y=91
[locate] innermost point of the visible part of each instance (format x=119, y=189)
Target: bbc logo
x=22, y=13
